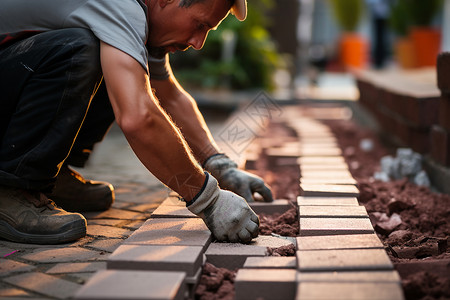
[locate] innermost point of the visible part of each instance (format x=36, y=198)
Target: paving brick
x=112, y=284
x=323, y=201
x=316, y=211
x=107, y=231
x=134, y=224
x=352, y=241
x=114, y=213
x=173, y=201
x=108, y=245
x=8, y=267
x=329, y=181
x=265, y=284
x=349, y=276
x=107, y=222
x=320, y=151
x=184, y=224
x=348, y=291
x=333, y=226
x=7, y=290
x=54, y=255
x=328, y=190
x=172, y=211
x=233, y=255
x=44, y=284
x=271, y=262
x=308, y=174
x=187, y=259
x=342, y=166
x=144, y=207
x=321, y=160
x=277, y=206
x=343, y=260
x=76, y=267
x=6, y=251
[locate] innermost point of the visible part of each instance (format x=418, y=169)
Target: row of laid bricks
x=338, y=254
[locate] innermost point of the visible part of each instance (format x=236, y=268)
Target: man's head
x=180, y=24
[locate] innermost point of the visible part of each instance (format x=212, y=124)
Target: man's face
x=174, y=28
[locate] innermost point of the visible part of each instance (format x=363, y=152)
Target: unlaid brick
x=277, y=206
x=187, y=259
x=333, y=226
x=265, y=284
x=271, y=262
x=113, y=284
x=44, y=284
x=325, y=201
x=316, y=211
x=349, y=291
x=343, y=260
x=350, y=276
x=352, y=241
x=328, y=190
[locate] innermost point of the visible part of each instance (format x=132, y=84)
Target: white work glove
x=231, y=178
x=226, y=214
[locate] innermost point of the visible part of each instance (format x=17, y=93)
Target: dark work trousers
x=47, y=87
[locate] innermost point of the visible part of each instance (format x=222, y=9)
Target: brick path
x=338, y=254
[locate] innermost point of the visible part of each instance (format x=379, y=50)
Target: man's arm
x=149, y=131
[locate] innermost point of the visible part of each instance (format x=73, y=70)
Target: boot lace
x=39, y=200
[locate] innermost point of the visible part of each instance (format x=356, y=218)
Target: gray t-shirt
x=119, y=23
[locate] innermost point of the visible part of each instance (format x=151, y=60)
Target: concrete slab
x=265, y=284
x=343, y=260
x=186, y=259
x=112, y=284
x=349, y=291
x=277, y=206
x=172, y=211
x=271, y=262
x=317, y=211
x=324, y=201
x=328, y=190
x=328, y=242
x=352, y=276
x=44, y=284
x=334, y=226
x=183, y=224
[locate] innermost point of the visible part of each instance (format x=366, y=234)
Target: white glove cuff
x=207, y=196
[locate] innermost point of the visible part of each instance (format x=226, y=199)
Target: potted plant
x=353, y=48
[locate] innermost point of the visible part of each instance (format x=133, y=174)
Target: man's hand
x=226, y=214
x=231, y=178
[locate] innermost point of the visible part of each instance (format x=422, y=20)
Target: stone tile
x=121, y=204
x=82, y=278
x=107, y=231
x=352, y=276
x=187, y=259
x=328, y=190
x=63, y=268
x=333, y=226
x=133, y=225
x=277, y=206
x=172, y=211
x=145, y=207
x=329, y=181
x=8, y=267
x=323, y=201
x=271, y=262
x=55, y=255
x=317, y=211
x=107, y=222
x=114, y=213
x=113, y=284
x=7, y=290
x=348, y=291
x=343, y=260
x=329, y=161
x=183, y=224
x=328, y=242
x=108, y=245
x=265, y=284
x=233, y=255
x=44, y=284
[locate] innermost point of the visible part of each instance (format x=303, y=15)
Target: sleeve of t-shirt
x=119, y=23
x=159, y=67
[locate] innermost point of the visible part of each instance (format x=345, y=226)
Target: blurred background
x=289, y=48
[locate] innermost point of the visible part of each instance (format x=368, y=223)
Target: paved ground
x=57, y=272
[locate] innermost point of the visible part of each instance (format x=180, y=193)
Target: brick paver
x=349, y=276
x=332, y=226
x=339, y=201
x=8, y=267
x=328, y=190
x=53, y=255
x=353, y=241
x=332, y=212
x=271, y=262
x=63, y=268
x=277, y=206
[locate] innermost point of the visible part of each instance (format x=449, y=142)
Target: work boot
x=30, y=217
x=74, y=193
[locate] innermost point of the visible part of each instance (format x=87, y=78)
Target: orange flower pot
x=405, y=53
x=427, y=43
x=353, y=50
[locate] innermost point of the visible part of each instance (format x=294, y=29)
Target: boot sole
x=77, y=231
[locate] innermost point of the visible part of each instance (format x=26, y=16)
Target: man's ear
x=163, y=3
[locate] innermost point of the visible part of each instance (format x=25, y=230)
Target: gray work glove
x=231, y=178
x=226, y=214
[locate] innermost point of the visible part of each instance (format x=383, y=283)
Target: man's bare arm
x=149, y=131
x=184, y=111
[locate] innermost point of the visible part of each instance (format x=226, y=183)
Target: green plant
x=252, y=65
x=348, y=13
x=399, y=19
x=422, y=12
